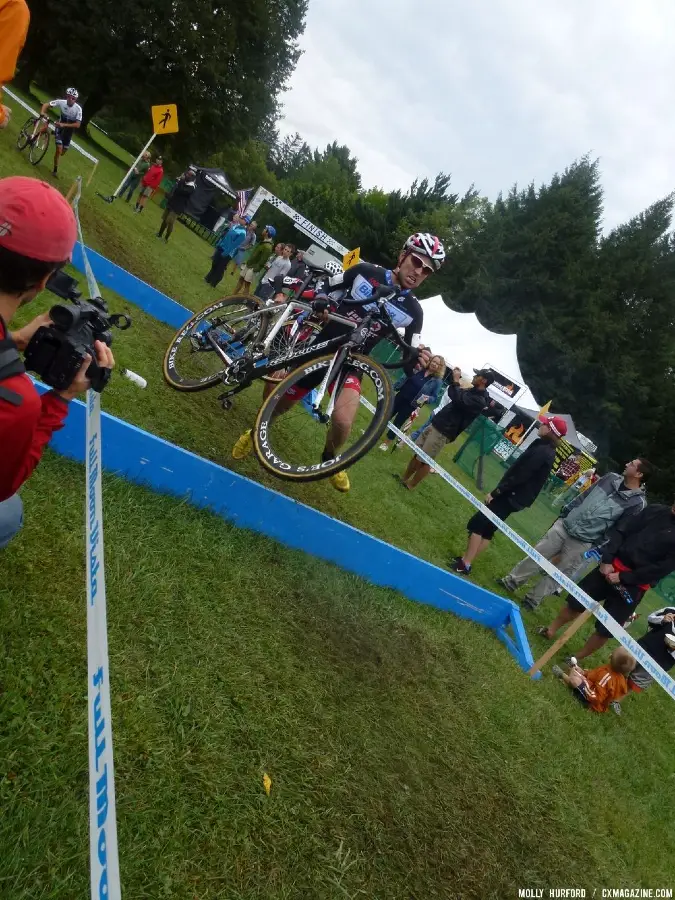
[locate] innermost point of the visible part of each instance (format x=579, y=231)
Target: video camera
x=56, y=352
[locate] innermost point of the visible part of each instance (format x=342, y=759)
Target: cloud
x=494, y=92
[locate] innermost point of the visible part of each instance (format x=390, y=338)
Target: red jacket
x=25, y=429
x=153, y=177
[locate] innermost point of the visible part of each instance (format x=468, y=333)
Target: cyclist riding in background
x=70, y=118
x=348, y=294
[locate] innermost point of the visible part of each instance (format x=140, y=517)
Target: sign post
x=164, y=121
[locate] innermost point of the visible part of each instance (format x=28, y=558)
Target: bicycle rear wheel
x=290, y=445
x=25, y=133
x=191, y=363
x=38, y=147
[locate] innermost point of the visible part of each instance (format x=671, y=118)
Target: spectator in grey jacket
x=583, y=524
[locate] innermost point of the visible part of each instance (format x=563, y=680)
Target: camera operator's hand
x=22, y=336
x=81, y=383
x=8, y=115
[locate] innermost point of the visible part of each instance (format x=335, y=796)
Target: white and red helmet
x=428, y=245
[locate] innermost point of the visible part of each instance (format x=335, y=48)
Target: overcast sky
x=493, y=91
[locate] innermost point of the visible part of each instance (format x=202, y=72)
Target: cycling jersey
x=352, y=291
x=68, y=113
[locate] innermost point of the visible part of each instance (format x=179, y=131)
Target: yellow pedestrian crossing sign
x=351, y=258
x=165, y=118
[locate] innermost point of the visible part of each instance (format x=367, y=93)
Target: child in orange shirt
x=600, y=687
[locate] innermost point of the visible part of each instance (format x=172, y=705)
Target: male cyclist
x=70, y=118
x=421, y=255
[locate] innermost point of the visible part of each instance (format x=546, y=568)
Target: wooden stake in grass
x=71, y=192
x=563, y=639
x=91, y=174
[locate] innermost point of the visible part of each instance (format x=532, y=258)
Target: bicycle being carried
x=233, y=324
x=35, y=135
x=289, y=445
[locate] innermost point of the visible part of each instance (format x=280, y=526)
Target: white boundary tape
x=30, y=109
x=621, y=635
x=103, y=852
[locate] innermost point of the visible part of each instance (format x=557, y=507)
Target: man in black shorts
x=518, y=489
x=638, y=553
x=70, y=118
x=421, y=255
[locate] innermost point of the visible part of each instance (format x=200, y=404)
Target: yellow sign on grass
x=351, y=258
x=165, y=118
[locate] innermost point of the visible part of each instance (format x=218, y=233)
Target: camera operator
x=37, y=235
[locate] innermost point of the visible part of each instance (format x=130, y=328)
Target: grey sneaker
x=616, y=706
x=557, y=671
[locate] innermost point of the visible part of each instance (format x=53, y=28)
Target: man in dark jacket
x=638, y=553
x=463, y=407
x=518, y=489
x=176, y=203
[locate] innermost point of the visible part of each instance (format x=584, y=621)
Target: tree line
x=593, y=312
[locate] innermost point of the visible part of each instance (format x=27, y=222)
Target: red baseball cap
x=556, y=423
x=35, y=220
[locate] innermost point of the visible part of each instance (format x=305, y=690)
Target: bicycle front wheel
x=191, y=363
x=38, y=147
x=25, y=133
x=289, y=442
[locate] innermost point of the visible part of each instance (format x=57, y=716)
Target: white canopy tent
x=464, y=342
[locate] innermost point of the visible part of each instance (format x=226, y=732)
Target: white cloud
x=494, y=92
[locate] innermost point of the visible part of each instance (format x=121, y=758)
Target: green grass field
x=409, y=756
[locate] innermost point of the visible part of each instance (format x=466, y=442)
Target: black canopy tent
x=211, y=184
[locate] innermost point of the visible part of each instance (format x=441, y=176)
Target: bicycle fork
x=335, y=365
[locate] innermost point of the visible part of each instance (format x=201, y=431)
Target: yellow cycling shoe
x=340, y=481
x=244, y=446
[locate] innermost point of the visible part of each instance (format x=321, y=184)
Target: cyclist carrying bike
x=70, y=118
x=348, y=294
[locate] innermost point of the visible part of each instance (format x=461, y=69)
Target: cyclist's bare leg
x=346, y=408
x=57, y=155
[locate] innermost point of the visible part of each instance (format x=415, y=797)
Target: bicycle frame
x=341, y=345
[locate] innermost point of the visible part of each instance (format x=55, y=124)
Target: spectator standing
x=414, y=391
x=248, y=244
x=638, y=553
x=463, y=407
x=226, y=247
x=149, y=183
x=135, y=176
x=259, y=256
x=583, y=524
x=280, y=265
x=518, y=489
x=14, y=19
x=445, y=399
x=298, y=266
x=176, y=203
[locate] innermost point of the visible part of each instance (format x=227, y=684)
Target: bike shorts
x=304, y=387
x=63, y=137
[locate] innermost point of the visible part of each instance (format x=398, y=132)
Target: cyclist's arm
x=44, y=109
x=285, y=283
x=345, y=280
